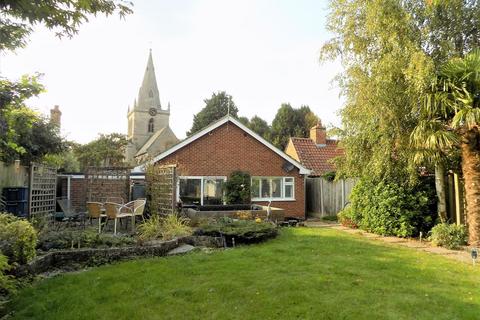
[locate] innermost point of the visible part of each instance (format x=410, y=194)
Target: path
x=462, y=255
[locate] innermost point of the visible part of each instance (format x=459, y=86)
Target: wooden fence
x=326, y=198
x=13, y=175
x=455, y=194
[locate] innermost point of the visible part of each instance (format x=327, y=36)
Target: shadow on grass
x=304, y=273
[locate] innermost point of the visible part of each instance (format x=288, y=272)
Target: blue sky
x=261, y=52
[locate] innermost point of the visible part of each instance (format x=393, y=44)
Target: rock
x=184, y=248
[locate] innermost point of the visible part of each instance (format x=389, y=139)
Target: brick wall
x=228, y=148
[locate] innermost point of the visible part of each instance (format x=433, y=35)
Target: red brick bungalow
x=315, y=153
x=206, y=159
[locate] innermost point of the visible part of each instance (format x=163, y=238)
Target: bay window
x=272, y=188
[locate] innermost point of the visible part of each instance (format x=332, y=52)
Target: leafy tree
x=24, y=134
x=106, y=150
x=215, y=108
x=290, y=122
x=244, y=120
x=260, y=126
x=237, y=188
x=450, y=119
x=62, y=16
x=390, y=50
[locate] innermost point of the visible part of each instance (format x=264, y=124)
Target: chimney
x=318, y=134
x=55, y=115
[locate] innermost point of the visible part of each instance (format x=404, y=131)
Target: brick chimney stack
x=318, y=134
x=56, y=115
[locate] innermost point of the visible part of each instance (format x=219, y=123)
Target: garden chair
x=115, y=211
x=137, y=207
x=95, y=211
x=69, y=212
x=118, y=200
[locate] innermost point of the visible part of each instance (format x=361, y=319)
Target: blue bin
x=11, y=194
x=17, y=208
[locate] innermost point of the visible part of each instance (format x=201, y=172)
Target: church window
x=150, y=93
x=150, y=125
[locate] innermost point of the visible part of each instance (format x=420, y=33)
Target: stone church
x=149, y=132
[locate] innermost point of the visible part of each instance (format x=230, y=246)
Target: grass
x=302, y=274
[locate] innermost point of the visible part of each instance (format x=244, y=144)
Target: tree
x=62, y=16
x=290, y=122
x=390, y=50
x=107, y=150
x=218, y=106
x=450, y=118
x=24, y=134
x=260, y=126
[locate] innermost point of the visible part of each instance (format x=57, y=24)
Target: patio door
x=201, y=190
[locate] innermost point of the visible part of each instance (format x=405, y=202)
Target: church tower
x=148, y=123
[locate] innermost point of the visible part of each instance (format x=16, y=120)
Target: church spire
x=148, y=95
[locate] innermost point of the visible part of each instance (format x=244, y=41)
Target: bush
x=244, y=231
x=237, y=188
x=7, y=282
x=18, y=239
x=170, y=227
x=449, y=236
x=49, y=239
x=348, y=218
x=391, y=209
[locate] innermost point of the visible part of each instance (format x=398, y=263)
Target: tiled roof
x=317, y=157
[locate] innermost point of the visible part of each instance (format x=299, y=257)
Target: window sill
x=273, y=200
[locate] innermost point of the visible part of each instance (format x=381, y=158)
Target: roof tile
x=317, y=157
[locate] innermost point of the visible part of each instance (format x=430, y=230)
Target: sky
x=261, y=52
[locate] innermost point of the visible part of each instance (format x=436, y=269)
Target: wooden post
x=321, y=195
x=458, y=209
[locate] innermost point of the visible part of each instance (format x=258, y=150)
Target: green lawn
x=303, y=274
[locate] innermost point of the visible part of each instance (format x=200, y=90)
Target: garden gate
x=160, y=186
x=107, y=182
x=43, y=189
x=326, y=198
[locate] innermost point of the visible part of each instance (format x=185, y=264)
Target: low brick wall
x=79, y=258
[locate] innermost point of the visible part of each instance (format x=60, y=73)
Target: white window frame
x=270, y=178
x=202, y=179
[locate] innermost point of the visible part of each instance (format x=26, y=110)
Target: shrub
x=349, y=218
x=49, y=239
x=18, y=239
x=7, y=282
x=449, y=236
x=170, y=227
x=244, y=231
x=388, y=208
x=237, y=188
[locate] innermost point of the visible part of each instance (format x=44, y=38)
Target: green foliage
x=62, y=16
x=237, y=188
x=106, y=150
x=18, y=239
x=215, y=108
x=167, y=228
x=329, y=176
x=392, y=209
x=63, y=238
x=449, y=236
x=244, y=231
x=260, y=126
x=330, y=218
x=290, y=122
x=349, y=217
x=7, y=282
x=390, y=51
x=64, y=162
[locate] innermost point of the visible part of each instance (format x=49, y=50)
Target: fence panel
x=325, y=198
x=161, y=188
x=43, y=189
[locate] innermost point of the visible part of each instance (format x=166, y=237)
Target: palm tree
x=450, y=118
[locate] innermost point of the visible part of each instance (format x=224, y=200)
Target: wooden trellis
x=43, y=189
x=107, y=182
x=160, y=188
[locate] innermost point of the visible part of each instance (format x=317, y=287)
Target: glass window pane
x=190, y=191
x=212, y=191
x=276, y=188
x=288, y=191
x=265, y=188
x=255, y=188
x=288, y=180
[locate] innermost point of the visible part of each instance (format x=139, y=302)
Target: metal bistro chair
x=95, y=211
x=137, y=207
x=115, y=211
